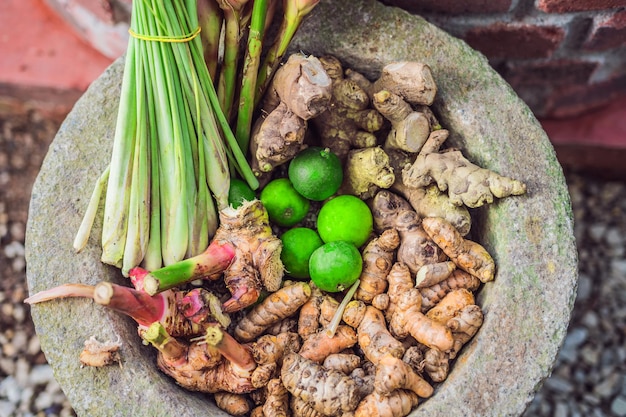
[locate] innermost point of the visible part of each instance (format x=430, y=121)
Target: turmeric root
x=468, y=255
x=392, y=374
x=457, y=279
x=277, y=306
x=366, y=171
x=354, y=313
x=397, y=404
x=436, y=364
x=451, y=305
x=375, y=339
x=466, y=183
x=309, y=317
x=277, y=401
x=464, y=326
x=233, y=404
x=262, y=374
x=408, y=319
x=349, y=121
x=416, y=248
x=431, y=274
x=377, y=262
x=329, y=392
x=319, y=345
x=400, y=281
x=409, y=128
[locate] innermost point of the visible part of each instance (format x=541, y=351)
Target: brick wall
x=562, y=57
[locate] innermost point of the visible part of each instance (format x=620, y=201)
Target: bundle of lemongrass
x=174, y=150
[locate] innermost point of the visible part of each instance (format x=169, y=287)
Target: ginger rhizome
x=300, y=91
x=465, y=182
x=350, y=120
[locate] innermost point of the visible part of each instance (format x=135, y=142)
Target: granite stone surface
x=527, y=308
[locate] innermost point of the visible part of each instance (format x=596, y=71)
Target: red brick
x=451, y=6
x=608, y=33
x=515, y=41
x=559, y=72
x=571, y=101
x=564, y=6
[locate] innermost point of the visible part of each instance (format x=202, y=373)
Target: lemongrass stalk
x=174, y=216
x=210, y=17
x=228, y=73
x=115, y=222
x=153, y=258
x=82, y=236
x=250, y=70
x=334, y=323
x=138, y=213
x=293, y=13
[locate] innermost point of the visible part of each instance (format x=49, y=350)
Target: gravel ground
x=589, y=378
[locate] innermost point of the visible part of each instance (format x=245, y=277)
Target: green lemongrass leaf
x=138, y=213
x=115, y=223
x=210, y=20
x=82, y=236
x=250, y=69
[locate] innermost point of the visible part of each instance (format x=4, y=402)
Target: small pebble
x=618, y=406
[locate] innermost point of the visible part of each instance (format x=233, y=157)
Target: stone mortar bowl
x=527, y=307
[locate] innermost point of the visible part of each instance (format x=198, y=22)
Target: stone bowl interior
x=527, y=307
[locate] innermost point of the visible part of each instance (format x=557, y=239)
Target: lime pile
x=329, y=256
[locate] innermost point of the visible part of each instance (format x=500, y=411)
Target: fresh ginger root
x=398, y=404
x=99, y=354
x=349, y=122
x=393, y=373
x=409, y=128
x=457, y=279
x=416, y=249
x=468, y=255
x=413, y=81
x=329, y=392
x=378, y=258
x=300, y=90
x=277, y=306
x=257, y=261
x=466, y=183
x=366, y=171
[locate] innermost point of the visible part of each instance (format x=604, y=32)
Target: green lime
x=345, y=217
x=239, y=192
x=298, y=245
x=335, y=266
x=316, y=173
x=284, y=205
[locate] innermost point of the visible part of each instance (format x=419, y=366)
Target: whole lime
x=335, y=266
x=345, y=217
x=239, y=192
x=298, y=245
x=284, y=205
x=316, y=173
